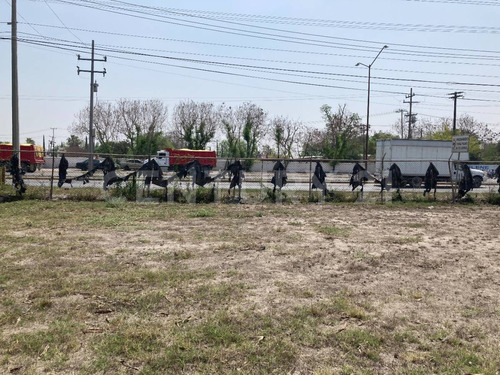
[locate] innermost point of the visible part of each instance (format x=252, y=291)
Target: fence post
x=261, y=179
x=310, y=179
x=2, y=175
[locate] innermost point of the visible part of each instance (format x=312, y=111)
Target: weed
x=493, y=198
x=334, y=231
x=203, y=213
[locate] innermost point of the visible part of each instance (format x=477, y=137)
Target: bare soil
x=423, y=279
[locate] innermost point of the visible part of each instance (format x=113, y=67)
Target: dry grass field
x=123, y=288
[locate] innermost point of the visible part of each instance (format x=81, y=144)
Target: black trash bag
x=430, y=179
x=279, y=178
x=466, y=183
x=359, y=176
x=236, y=173
x=17, y=175
x=63, y=171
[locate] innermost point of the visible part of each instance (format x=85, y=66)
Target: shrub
x=493, y=198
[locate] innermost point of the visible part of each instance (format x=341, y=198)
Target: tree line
x=138, y=127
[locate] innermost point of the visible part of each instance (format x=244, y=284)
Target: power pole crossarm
x=92, y=89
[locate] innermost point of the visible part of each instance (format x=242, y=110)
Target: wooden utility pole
x=53, y=144
x=16, y=148
x=410, y=114
x=93, y=88
x=402, y=111
x=455, y=95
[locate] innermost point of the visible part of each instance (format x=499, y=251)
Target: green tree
x=491, y=151
x=372, y=142
x=30, y=141
x=341, y=138
x=148, y=144
x=286, y=134
x=74, y=141
x=446, y=134
x=115, y=148
x=195, y=124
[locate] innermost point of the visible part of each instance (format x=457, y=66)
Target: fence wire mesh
x=192, y=179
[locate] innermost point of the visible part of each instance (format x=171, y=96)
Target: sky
x=289, y=57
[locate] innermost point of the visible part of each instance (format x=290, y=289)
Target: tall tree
x=252, y=119
x=286, y=134
x=195, y=124
x=343, y=131
x=243, y=128
x=74, y=140
x=105, y=122
x=138, y=118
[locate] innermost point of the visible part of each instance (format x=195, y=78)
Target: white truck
x=413, y=157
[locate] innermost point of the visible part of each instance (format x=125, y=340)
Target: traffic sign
x=460, y=143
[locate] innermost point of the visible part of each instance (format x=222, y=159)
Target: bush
x=493, y=198
x=127, y=190
x=273, y=196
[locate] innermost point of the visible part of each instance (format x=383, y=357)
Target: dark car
x=84, y=165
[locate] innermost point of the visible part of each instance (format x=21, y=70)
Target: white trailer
x=414, y=155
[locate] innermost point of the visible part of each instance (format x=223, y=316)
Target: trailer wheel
x=416, y=182
x=25, y=167
x=476, y=182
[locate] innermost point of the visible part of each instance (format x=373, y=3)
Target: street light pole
x=368, y=103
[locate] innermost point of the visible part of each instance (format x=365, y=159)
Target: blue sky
x=434, y=46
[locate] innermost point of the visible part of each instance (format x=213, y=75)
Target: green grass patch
x=334, y=231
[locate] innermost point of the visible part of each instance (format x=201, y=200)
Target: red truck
x=31, y=156
x=169, y=158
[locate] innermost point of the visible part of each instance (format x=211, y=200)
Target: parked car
x=84, y=165
x=131, y=164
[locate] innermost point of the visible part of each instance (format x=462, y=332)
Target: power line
x=333, y=23
x=225, y=72
x=190, y=13
x=290, y=51
x=263, y=48
x=461, y=2
x=287, y=70
x=60, y=20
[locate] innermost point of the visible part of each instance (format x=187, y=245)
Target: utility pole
x=402, y=111
x=93, y=88
x=16, y=148
x=53, y=144
x=410, y=115
x=455, y=95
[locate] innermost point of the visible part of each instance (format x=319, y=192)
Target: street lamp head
x=358, y=64
x=386, y=46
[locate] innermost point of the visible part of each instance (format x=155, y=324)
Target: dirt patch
x=382, y=289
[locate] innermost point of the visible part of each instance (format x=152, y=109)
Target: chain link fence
x=192, y=179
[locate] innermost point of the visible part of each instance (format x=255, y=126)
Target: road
x=254, y=180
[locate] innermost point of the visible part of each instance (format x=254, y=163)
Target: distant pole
x=93, y=87
x=455, y=95
x=53, y=143
x=410, y=114
x=402, y=111
x=15, y=86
